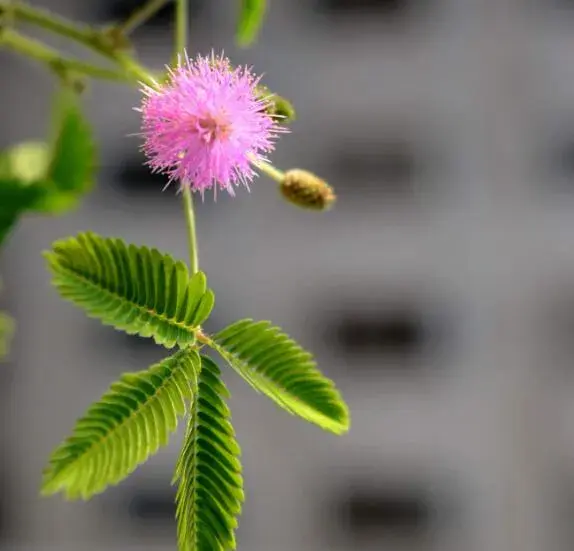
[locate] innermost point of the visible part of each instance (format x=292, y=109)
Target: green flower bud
x=304, y=189
x=278, y=106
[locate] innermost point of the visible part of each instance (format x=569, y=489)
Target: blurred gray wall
x=438, y=294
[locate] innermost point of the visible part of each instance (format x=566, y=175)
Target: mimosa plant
x=208, y=126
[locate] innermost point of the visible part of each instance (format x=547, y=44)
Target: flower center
x=212, y=127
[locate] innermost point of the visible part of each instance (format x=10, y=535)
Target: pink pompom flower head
x=207, y=125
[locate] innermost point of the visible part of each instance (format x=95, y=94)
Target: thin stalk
x=191, y=232
x=40, y=52
x=136, y=71
x=181, y=21
x=140, y=15
x=97, y=40
x=181, y=17
x=83, y=34
x=269, y=170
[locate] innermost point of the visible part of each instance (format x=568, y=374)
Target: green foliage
x=277, y=366
x=278, y=106
x=20, y=169
x=129, y=423
x=135, y=289
x=27, y=162
x=70, y=174
x=210, y=489
x=250, y=20
x=36, y=178
x=142, y=291
x=15, y=199
x=6, y=333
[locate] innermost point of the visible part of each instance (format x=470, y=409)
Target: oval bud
x=282, y=109
x=304, y=189
x=278, y=106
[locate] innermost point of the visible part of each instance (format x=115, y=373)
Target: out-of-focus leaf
x=26, y=162
x=48, y=179
x=250, y=20
x=22, y=167
x=70, y=174
x=6, y=333
x=16, y=197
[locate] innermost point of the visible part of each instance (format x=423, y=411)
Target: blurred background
x=439, y=294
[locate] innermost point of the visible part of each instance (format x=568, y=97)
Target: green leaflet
x=35, y=177
x=250, y=20
x=135, y=289
x=129, y=423
x=70, y=174
x=15, y=199
x=27, y=162
x=277, y=366
x=208, y=471
x=6, y=332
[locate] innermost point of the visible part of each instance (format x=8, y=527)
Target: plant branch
x=104, y=42
x=108, y=43
x=136, y=71
x=140, y=15
x=269, y=170
x=83, y=34
x=58, y=63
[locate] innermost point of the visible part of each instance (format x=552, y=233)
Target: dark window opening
x=153, y=506
x=387, y=167
x=368, y=7
x=384, y=513
x=136, y=178
x=562, y=158
x=393, y=334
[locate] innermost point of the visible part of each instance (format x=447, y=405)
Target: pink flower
x=206, y=126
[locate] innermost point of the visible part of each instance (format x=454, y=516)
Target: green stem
x=100, y=41
x=43, y=18
x=103, y=43
x=140, y=16
x=269, y=170
x=40, y=52
x=136, y=72
x=191, y=233
x=181, y=20
x=181, y=17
